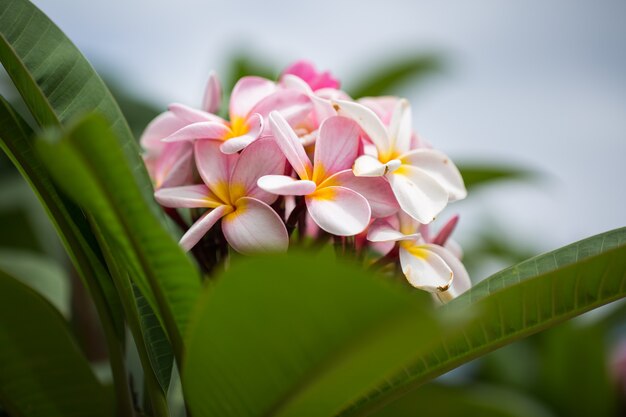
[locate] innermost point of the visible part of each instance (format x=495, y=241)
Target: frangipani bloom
x=230, y=192
x=328, y=184
x=427, y=265
x=423, y=180
x=306, y=71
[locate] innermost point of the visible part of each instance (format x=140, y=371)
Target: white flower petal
x=425, y=269
x=284, y=185
x=440, y=167
x=419, y=195
x=369, y=122
x=339, y=211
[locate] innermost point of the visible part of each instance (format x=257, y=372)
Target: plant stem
x=295, y=215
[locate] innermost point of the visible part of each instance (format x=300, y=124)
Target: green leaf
x=56, y=81
x=388, y=78
x=439, y=400
x=297, y=335
x=514, y=303
x=95, y=174
x=475, y=175
x=42, y=371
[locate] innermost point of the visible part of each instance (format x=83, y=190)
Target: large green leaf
x=297, y=335
x=56, y=81
x=439, y=400
x=42, y=371
x=514, y=303
x=95, y=174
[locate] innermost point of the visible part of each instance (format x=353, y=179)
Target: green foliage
x=475, y=175
x=42, y=371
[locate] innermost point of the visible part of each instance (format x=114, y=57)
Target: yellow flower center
x=238, y=127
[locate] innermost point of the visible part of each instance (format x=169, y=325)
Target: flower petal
x=290, y=145
x=200, y=130
x=400, y=127
x=187, y=196
x=461, y=281
x=294, y=106
x=437, y=165
x=339, y=210
x=419, y=195
x=214, y=167
x=369, y=122
x=336, y=147
x=284, y=185
x=161, y=127
x=368, y=166
x=236, y=144
x=203, y=225
x=263, y=157
x=376, y=191
x=191, y=115
x=247, y=93
x=212, y=94
x=255, y=227
x=425, y=269
x=382, y=231
x=174, y=166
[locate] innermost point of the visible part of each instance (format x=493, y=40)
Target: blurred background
x=529, y=98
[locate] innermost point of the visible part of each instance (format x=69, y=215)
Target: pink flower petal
x=376, y=191
x=336, y=147
x=161, y=127
x=203, y=225
x=383, y=106
x=263, y=157
x=440, y=167
x=214, y=167
x=236, y=144
x=255, y=227
x=369, y=122
x=339, y=211
x=308, y=73
x=212, y=94
x=174, y=166
x=187, y=196
x=382, y=231
x=200, y=130
x=425, y=269
x=247, y=93
x=290, y=145
x=294, y=106
x=284, y=185
x=191, y=115
x=419, y=195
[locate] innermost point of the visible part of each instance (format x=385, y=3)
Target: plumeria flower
x=307, y=72
x=251, y=100
x=331, y=191
x=427, y=264
x=230, y=193
x=423, y=180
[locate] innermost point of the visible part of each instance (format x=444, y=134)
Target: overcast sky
x=541, y=84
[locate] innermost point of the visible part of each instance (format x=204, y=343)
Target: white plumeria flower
x=423, y=180
x=427, y=266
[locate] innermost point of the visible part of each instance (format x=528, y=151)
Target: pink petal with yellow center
x=336, y=147
x=248, y=131
x=338, y=210
x=425, y=269
x=247, y=93
x=214, y=167
x=419, y=195
x=284, y=185
x=440, y=167
x=202, y=226
x=254, y=227
x=212, y=94
x=290, y=145
x=200, y=130
x=376, y=191
x=263, y=157
x=187, y=196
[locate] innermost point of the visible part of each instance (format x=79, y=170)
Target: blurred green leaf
x=56, y=81
x=43, y=275
x=514, y=303
x=137, y=112
x=298, y=334
x=397, y=72
x=475, y=175
x=439, y=400
x=95, y=174
x=42, y=371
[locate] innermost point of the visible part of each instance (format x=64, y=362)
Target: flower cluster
x=299, y=153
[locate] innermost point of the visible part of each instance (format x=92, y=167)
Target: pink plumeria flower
x=251, y=100
x=230, y=192
x=423, y=180
x=429, y=266
x=306, y=71
x=333, y=195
